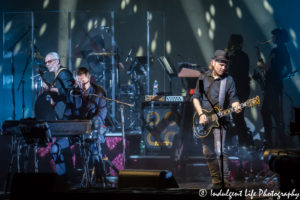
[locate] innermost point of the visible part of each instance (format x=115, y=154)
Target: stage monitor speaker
x=36, y=184
x=160, y=126
x=155, y=179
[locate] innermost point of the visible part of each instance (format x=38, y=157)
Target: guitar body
x=43, y=109
x=202, y=131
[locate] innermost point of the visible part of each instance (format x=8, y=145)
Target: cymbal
x=35, y=55
x=101, y=54
x=189, y=73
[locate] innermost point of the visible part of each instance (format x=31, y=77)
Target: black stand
x=169, y=69
x=36, y=134
x=201, y=89
x=22, y=82
x=11, y=49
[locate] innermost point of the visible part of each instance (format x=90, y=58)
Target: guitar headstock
x=253, y=102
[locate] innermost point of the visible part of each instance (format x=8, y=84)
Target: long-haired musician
x=214, y=87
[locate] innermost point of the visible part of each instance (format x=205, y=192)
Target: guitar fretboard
x=230, y=110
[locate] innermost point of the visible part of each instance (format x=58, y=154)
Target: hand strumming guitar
x=51, y=89
x=237, y=107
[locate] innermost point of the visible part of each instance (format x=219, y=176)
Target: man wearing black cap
x=278, y=60
x=215, y=88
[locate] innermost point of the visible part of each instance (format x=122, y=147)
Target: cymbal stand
x=123, y=135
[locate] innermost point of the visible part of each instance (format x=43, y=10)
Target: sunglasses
x=49, y=61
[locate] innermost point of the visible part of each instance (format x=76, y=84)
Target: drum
x=43, y=109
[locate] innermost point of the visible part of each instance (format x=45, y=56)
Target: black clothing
x=213, y=92
x=211, y=144
x=238, y=68
x=272, y=103
x=64, y=83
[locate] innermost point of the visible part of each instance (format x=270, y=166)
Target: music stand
x=36, y=134
x=168, y=68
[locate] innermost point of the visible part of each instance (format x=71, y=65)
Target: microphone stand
x=22, y=82
x=122, y=104
x=11, y=49
x=202, y=91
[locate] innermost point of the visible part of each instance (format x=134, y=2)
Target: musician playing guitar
x=62, y=83
x=206, y=96
x=277, y=66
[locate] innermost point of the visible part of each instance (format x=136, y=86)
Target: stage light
x=78, y=62
x=212, y=10
x=294, y=37
x=168, y=47
x=43, y=29
x=211, y=34
x=135, y=8
x=123, y=5
x=90, y=25
x=103, y=22
x=7, y=27
x=154, y=42
x=198, y=20
x=73, y=22
x=230, y=3
x=153, y=46
x=207, y=17
x=46, y=3
x=212, y=24
x=239, y=13
x=199, y=32
x=268, y=7
x=140, y=51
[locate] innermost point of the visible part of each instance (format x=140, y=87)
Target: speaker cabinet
x=155, y=179
x=161, y=124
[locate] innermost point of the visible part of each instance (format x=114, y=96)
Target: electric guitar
x=202, y=131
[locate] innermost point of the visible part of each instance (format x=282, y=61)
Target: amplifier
x=160, y=125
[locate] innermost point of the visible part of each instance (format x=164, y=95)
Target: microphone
x=129, y=55
x=76, y=90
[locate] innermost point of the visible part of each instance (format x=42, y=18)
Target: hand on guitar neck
x=46, y=85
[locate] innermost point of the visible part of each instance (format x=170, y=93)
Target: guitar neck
x=44, y=80
x=228, y=111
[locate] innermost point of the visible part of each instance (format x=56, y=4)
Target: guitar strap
x=222, y=92
x=54, y=81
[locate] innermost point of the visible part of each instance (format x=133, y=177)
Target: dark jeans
x=211, y=150
x=241, y=129
x=272, y=108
